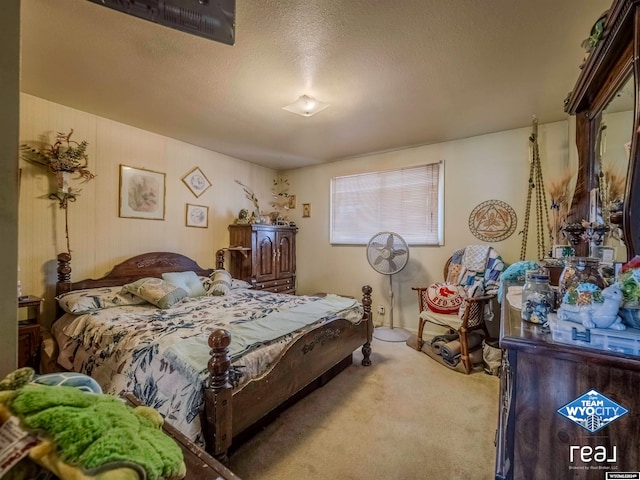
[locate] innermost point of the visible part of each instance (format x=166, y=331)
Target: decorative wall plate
x=492, y=221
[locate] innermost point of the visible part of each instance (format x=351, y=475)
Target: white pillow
x=188, y=281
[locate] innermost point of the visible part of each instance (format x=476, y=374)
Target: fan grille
x=387, y=253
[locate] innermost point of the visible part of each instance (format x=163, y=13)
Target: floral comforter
x=133, y=348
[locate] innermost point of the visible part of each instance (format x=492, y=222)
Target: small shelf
x=243, y=250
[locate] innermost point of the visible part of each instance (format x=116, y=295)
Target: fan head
x=387, y=253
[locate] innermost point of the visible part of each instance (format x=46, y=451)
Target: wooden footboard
x=227, y=416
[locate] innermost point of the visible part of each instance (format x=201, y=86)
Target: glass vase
x=579, y=270
x=537, y=297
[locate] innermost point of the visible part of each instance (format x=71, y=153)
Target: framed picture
x=197, y=216
x=142, y=193
x=306, y=209
x=196, y=181
x=292, y=201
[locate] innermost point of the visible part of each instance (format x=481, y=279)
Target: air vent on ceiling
x=212, y=19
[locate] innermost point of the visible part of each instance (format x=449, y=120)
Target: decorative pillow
x=92, y=299
x=455, y=273
x=444, y=298
x=188, y=281
x=206, y=283
x=159, y=292
x=221, y=283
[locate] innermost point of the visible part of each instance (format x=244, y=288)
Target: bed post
x=366, y=304
x=220, y=259
x=217, y=397
x=63, y=285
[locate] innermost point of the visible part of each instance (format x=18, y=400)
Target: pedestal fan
x=388, y=253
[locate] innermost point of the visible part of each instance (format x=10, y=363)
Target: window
x=408, y=201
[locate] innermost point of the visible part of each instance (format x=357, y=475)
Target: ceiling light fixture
x=306, y=106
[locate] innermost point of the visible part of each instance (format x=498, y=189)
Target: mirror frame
x=608, y=66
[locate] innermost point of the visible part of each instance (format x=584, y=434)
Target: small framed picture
x=196, y=181
x=292, y=201
x=142, y=193
x=197, y=216
x=561, y=251
x=306, y=209
x=605, y=254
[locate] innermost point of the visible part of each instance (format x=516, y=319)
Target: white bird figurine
x=596, y=315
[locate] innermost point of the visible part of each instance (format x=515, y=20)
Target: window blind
x=408, y=201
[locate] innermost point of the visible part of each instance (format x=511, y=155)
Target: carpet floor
x=406, y=417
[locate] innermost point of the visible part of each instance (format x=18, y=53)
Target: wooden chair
x=472, y=319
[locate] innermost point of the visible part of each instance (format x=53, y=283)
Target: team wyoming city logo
x=592, y=411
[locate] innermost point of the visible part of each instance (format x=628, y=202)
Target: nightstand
x=29, y=332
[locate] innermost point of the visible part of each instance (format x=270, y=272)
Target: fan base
x=387, y=334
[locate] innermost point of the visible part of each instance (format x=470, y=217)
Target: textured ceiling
x=396, y=73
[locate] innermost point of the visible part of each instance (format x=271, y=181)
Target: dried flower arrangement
x=612, y=184
x=64, y=155
x=251, y=196
x=559, y=191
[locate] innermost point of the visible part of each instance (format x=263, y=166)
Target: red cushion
x=444, y=298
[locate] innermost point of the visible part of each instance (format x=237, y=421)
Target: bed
x=214, y=366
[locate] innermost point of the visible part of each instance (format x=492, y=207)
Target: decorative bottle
x=537, y=297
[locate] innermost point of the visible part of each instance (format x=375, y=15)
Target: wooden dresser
x=264, y=255
x=540, y=376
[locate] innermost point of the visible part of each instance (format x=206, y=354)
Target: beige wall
x=99, y=238
x=9, y=99
x=481, y=168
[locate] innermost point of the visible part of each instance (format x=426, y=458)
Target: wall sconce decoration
x=63, y=158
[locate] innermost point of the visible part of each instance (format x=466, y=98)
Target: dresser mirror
x=613, y=149
x=603, y=102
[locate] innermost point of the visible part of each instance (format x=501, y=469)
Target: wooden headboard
x=152, y=264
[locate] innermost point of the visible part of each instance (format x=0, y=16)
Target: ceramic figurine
x=595, y=312
x=243, y=217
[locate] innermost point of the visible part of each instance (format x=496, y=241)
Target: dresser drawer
x=283, y=285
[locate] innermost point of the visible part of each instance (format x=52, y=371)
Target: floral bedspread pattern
x=126, y=348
